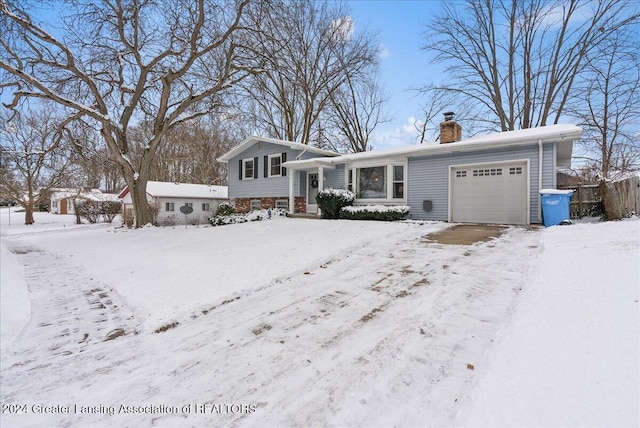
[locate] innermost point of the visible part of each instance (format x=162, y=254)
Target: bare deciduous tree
x=357, y=109
x=312, y=47
x=115, y=63
x=35, y=156
x=517, y=61
x=191, y=150
x=608, y=108
x=439, y=102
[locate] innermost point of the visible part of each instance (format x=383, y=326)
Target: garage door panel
x=489, y=194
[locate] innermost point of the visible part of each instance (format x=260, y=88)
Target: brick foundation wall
x=243, y=205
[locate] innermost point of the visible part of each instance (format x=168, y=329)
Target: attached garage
x=490, y=193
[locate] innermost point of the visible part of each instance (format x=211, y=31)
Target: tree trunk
x=140, y=204
x=75, y=211
x=28, y=214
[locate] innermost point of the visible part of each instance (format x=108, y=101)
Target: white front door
x=312, y=192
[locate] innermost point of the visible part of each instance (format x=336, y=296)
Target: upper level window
x=248, y=169
x=275, y=165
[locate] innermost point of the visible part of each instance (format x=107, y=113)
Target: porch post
x=320, y=184
x=292, y=204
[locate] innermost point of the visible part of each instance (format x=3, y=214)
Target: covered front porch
x=309, y=177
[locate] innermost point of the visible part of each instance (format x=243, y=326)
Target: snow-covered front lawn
x=294, y=322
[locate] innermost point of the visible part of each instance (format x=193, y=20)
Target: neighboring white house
x=61, y=201
x=168, y=198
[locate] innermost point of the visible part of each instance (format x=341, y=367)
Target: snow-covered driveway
x=385, y=332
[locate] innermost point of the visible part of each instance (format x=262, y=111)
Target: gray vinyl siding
x=428, y=177
x=265, y=186
x=335, y=178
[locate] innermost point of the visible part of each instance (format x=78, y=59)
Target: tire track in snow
x=70, y=311
x=327, y=357
x=424, y=314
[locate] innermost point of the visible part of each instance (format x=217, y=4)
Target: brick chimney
x=450, y=131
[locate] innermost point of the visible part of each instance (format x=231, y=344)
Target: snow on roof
x=553, y=133
x=183, y=190
x=92, y=195
x=291, y=144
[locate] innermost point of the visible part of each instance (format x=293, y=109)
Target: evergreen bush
x=225, y=209
x=331, y=201
x=375, y=212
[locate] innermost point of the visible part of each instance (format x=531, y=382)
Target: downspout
x=301, y=153
x=540, y=156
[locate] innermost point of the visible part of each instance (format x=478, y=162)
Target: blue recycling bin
x=555, y=206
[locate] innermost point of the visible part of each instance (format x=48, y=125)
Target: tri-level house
x=487, y=179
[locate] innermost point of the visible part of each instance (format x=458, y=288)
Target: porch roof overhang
x=307, y=164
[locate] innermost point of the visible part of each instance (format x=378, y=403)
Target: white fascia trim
x=548, y=134
x=225, y=158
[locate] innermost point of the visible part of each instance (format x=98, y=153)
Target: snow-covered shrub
x=155, y=210
x=110, y=209
x=128, y=218
x=331, y=201
x=94, y=211
x=89, y=210
x=256, y=215
x=375, y=212
x=224, y=209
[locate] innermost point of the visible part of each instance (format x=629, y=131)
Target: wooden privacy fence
x=621, y=199
x=585, y=201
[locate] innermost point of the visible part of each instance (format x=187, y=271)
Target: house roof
x=163, y=189
x=292, y=145
x=564, y=135
x=91, y=195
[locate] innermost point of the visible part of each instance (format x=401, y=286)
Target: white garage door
x=491, y=193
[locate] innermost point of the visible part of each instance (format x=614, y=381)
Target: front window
x=169, y=206
x=275, y=168
x=384, y=182
x=205, y=206
x=247, y=169
x=282, y=204
x=372, y=182
x=255, y=204
x=398, y=181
